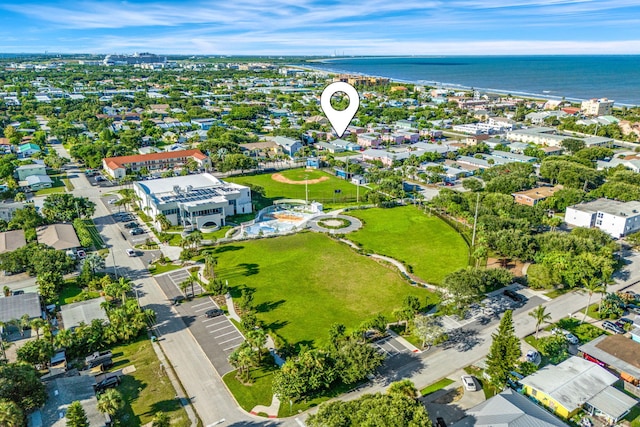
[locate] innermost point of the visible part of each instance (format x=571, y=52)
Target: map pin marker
x=339, y=119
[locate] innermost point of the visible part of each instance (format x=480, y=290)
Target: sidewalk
x=184, y=401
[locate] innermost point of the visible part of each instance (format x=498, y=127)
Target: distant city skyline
x=322, y=28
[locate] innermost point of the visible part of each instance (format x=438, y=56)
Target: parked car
x=513, y=295
x=440, y=422
x=214, y=313
x=18, y=292
x=132, y=225
x=633, y=308
x=125, y=218
x=568, y=335
x=469, y=383
x=131, y=252
x=624, y=321
x=112, y=201
x=533, y=356
x=108, y=383
x=136, y=231
x=612, y=327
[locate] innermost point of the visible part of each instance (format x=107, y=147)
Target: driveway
x=443, y=402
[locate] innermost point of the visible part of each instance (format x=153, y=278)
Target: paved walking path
x=231, y=308
x=271, y=410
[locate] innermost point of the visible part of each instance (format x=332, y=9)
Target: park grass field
x=306, y=282
x=323, y=192
x=425, y=243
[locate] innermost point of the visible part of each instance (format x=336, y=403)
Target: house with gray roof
x=16, y=306
x=508, y=409
x=83, y=312
x=58, y=236
x=64, y=391
x=11, y=240
x=289, y=146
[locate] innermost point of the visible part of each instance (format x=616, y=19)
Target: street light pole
x=115, y=267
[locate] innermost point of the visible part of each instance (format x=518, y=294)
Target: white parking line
x=214, y=324
x=235, y=338
x=392, y=346
x=226, y=333
x=219, y=329
x=232, y=347
x=206, y=308
x=203, y=303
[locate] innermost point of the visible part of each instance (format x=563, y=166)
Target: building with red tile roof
x=117, y=167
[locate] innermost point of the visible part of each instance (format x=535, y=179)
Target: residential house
x=386, y=157
x=28, y=170
x=8, y=208
x=345, y=145
x=616, y=218
x=83, y=312
x=62, y=391
x=534, y=196
x=261, y=149
x=37, y=182
x=289, y=146
x=16, y=306
x=117, y=167
x=327, y=146
x=393, y=138
x=58, y=236
x=508, y=409
x=11, y=240
x=28, y=149
x=513, y=157
x=577, y=384
x=204, y=124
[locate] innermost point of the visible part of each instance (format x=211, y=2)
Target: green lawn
x=160, y=268
x=258, y=393
x=436, y=386
x=323, y=192
x=424, y=243
x=71, y=293
x=147, y=390
x=306, y=282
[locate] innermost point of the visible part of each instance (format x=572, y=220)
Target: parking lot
x=180, y=276
x=390, y=346
x=121, y=221
x=217, y=336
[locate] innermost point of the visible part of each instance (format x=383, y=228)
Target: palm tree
x=36, y=324
x=403, y=388
x=606, y=273
x=541, y=316
x=161, y=420
x=10, y=414
x=591, y=285
x=209, y=266
x=163, y=222
x=110, y=402
x=257, y=338
x=24, y=323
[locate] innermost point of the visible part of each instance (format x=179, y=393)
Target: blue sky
x=313, y=27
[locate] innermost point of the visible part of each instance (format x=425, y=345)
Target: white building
x=596, y=107
x=611, y=216
x=198, y=201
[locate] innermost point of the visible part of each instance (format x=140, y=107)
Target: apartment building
x=616, y=218
x=597, y=107
x=117, y=167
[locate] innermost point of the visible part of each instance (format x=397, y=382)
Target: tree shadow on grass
x=243, y=269
x=269, y=305
x=130, y=389
x=274, y=326
x=227, y=248
x=167, y=406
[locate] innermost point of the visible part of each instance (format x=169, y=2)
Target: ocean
x=573, y=77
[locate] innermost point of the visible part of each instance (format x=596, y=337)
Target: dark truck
x=99, y=358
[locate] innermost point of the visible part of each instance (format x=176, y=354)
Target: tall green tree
x=76, y=415
x=161, y=420
x=591, y=285
x=504, y=352
x=20, y=383
x=64, y=207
